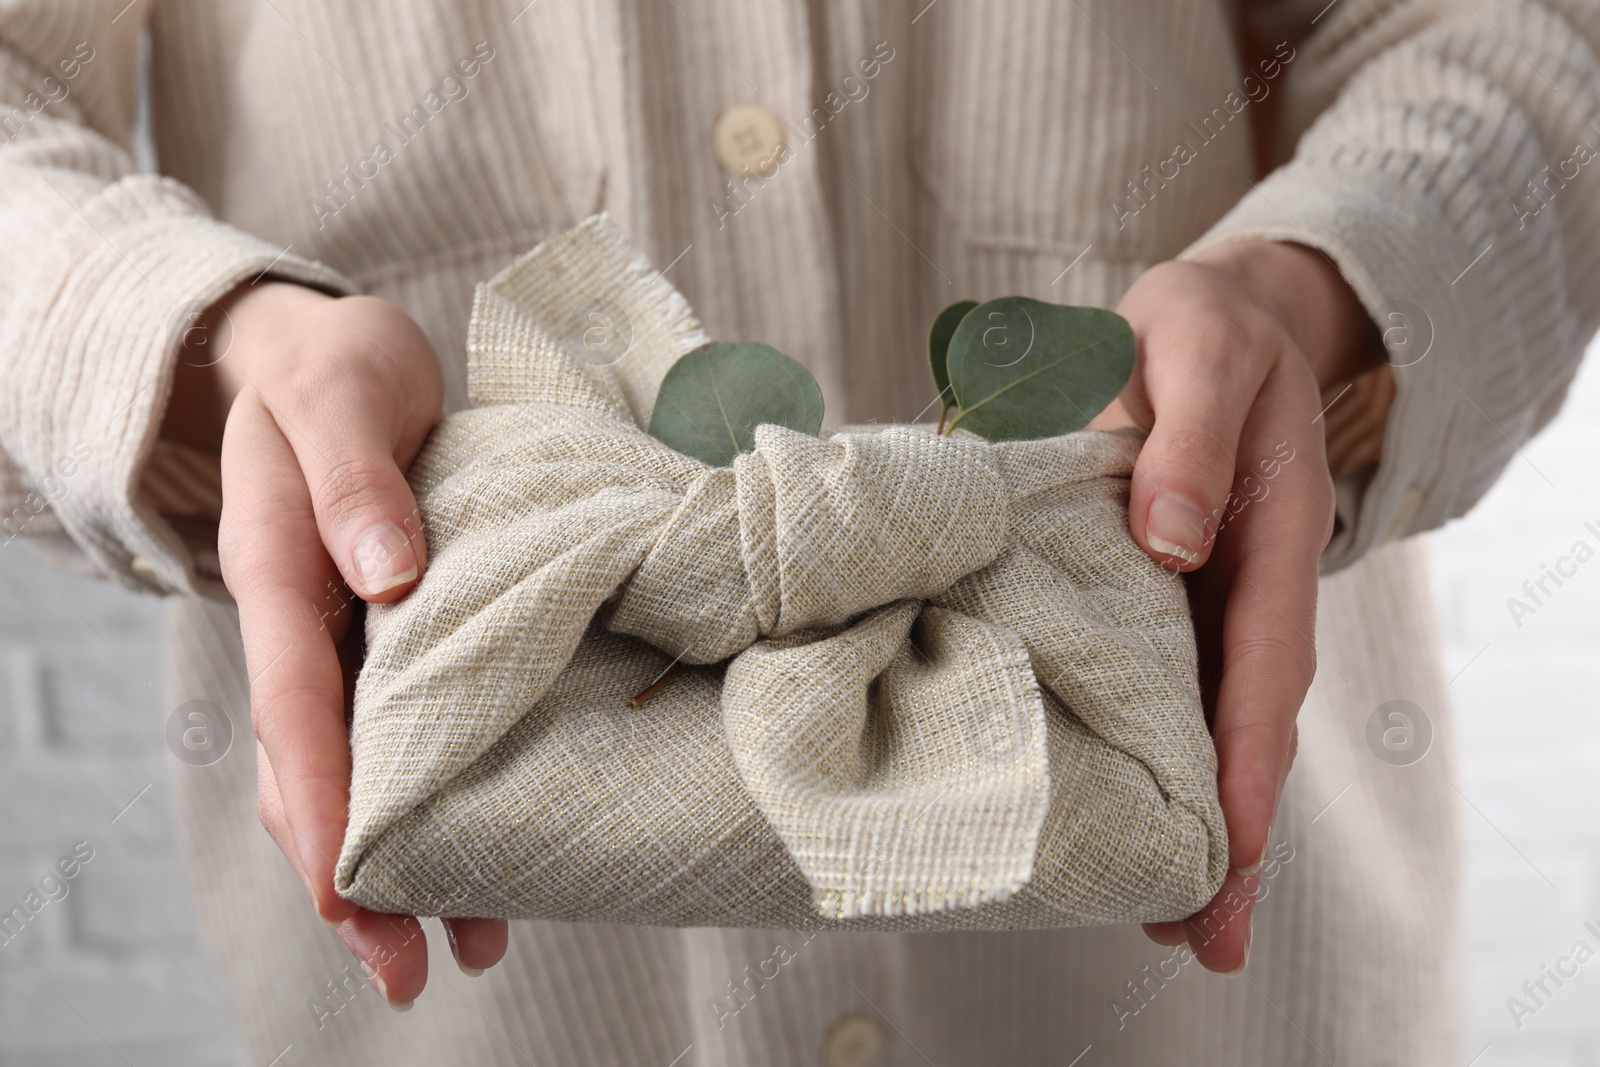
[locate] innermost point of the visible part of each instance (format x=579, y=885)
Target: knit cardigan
x=1437, y=151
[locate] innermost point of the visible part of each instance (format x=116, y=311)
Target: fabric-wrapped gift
x=932, y=683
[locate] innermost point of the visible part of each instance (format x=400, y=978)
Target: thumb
x=365, y=511
x=1181, y=481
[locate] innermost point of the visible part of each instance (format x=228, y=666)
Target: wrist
x=1305, y=292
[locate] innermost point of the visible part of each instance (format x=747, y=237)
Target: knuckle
x=378, y=336
x=1317, y=498
x=1239, y=346
x=345, y=488
x=1228, y=331
x=1251, y=732
x=1196, y=450
x=239, y=549
x=308, y=386
x=251, y=569
x=1278, y=652
x=279, y=714
x=240, y=572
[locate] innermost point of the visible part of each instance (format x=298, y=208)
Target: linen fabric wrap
x=934, y=682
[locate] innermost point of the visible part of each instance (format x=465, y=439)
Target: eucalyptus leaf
x=712, y=400
x=1023, y=369
x=944, y=327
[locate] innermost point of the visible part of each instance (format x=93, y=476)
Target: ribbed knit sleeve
x=1451, y=169
x=100, y=270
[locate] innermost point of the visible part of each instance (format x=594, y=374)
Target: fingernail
x=1175, y=526
x=1250, y=871
x=455, y=951
x=305, y=880
x=308, y=858
x=384, y=559
x=1249, y=936
x=383, y=991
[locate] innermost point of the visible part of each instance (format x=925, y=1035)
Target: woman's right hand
x=320, y=404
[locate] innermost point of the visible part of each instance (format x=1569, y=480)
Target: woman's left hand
x=1232, y=490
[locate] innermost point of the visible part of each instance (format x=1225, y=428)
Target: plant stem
x=659, y=684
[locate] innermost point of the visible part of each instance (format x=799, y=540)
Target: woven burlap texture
x=934, y=682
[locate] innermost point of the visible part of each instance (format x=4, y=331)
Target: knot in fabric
x=807, y=532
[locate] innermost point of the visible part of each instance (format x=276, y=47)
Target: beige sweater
x=1438, y=150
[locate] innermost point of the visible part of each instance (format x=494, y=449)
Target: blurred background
x=1528, y=736
x=110, y=973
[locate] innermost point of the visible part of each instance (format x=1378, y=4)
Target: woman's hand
x=1232, y=489
x=326, y=402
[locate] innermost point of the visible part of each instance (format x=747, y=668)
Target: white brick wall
x=1529, y=737
x=110, y=974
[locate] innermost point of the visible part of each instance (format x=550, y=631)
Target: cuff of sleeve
x=1402, y=259
x=87, y=354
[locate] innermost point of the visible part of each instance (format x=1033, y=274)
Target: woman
x=823, y=177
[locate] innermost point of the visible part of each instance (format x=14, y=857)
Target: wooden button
x=853, y=1041
x=748, y=137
